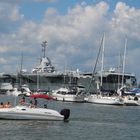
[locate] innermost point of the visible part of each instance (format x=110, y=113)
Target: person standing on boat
x=1, y=105
x=31, y=104
x=35, y=102
x=7, y=105
x=45, y=105
x=22, y=101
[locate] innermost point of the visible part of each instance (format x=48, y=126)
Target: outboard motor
x=65, y=113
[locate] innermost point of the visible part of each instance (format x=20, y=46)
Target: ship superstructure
x=45, y=65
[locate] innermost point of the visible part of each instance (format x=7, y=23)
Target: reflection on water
x=87, y=121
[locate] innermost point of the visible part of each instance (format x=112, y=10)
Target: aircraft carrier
x=45, y=77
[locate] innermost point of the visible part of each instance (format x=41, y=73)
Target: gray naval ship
x=45, y=77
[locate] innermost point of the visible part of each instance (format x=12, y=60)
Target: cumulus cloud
x=74, y=37
x=9, y=13
x=15, y=15
x=9, y=16
x=127, y=20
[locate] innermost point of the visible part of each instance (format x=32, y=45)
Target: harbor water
x=87, y=122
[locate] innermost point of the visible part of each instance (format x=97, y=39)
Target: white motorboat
x=69, y=94
x=6, y=86
x=106, y=100
x=17, y=92
x=27, y=113
x=131, y=101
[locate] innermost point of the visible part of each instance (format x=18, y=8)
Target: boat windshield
x=24, y=105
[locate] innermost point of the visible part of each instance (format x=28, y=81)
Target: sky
x=73, y=30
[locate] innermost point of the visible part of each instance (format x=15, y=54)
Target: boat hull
x=25, y=113
x=131, y=103
x=104, y=100
x=69, y=98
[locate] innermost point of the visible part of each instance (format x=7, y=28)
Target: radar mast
x=44, y=45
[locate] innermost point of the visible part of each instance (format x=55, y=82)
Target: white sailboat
x=129, y=100
x=100, y=98
x=106, y=100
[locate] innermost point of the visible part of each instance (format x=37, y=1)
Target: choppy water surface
x=87, y=122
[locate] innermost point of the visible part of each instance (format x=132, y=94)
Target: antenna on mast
x=44, y=45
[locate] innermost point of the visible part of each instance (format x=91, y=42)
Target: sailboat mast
x=21, y=64
x=119, y=70
x=20, y=71
x=102, y=61
x=124, y=57
x=96, y=62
